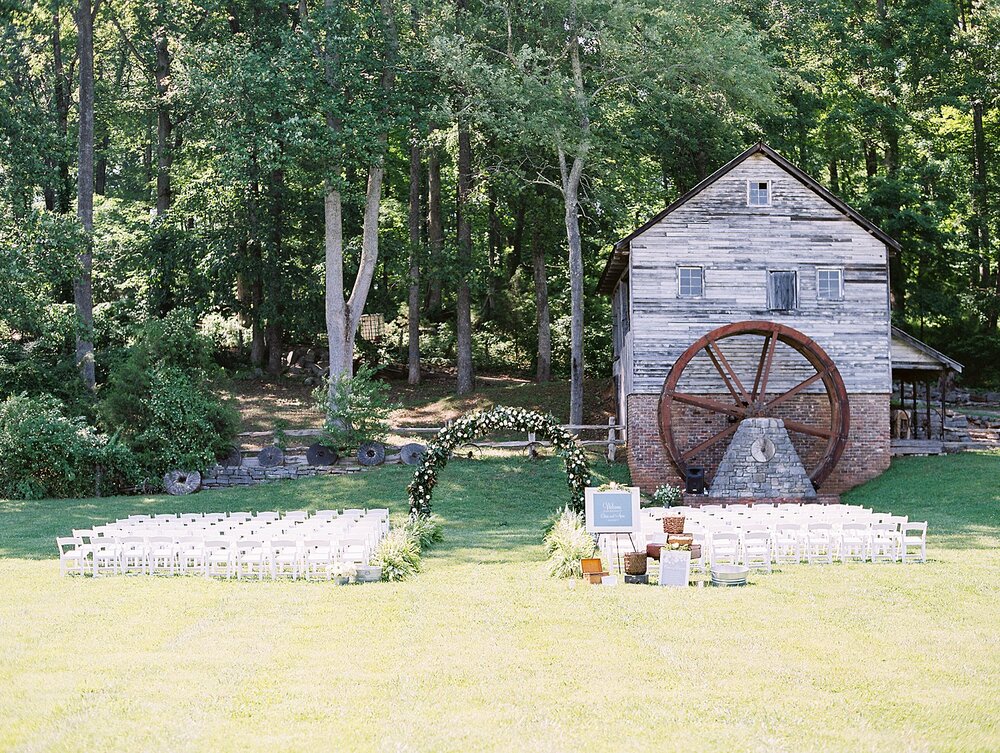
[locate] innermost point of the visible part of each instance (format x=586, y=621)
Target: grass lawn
x=484, y=652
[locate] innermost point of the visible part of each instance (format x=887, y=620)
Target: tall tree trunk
x=164, y=125
x=494, y=244
x=413, y=351
x=517, y=237
x=463, y=311
x=343, y=316
x=435, y=230
x=834, y=176
x=543, y=366
x=60, y=200
x=571, y=175
x=276, y=189
x=980, y=206
x=83, y=293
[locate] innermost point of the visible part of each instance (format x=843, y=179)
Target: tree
x=83, y=290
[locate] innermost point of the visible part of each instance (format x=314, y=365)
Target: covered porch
x=921, y=379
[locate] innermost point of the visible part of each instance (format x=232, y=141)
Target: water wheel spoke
x=715, y=438
x=709, y=404
x=764, y=366
x=813, y=431
x=733, y=383
x=796, y=389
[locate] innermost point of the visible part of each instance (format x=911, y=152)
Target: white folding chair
x=160, y=554
x=104, y=555
x=757, y=550
x=820, y=543
x=725, y=548
x=286, y=558
x=913, y=536
x=251, y=559
x=788, y=544
x=296, y=516
x=263, y=516
x=318, y=556
x=855, y=542
x=132, y=554
x=72, y=556
x=191, y=554
x=884, y=542
x=219, y=557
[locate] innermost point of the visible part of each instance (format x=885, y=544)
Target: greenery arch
x=500, y=418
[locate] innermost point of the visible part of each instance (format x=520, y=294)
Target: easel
x=618, y=550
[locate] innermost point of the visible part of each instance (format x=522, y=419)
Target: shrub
x=398, y=554
x=668, y=495
x=183, y=424
x=568, y=542
x=161, y=398
x=356, y=407
x=46, y=454
x=426, y=529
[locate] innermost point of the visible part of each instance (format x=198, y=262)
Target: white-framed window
x=830, y=284
x=690, y=282
x=782, y=290
x=758, y=193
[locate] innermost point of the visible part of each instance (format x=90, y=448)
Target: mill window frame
x=685, y=289
x=759, y=193
x=826, y=292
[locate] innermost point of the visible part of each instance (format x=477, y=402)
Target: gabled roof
x=618, y=259
x=944, y=362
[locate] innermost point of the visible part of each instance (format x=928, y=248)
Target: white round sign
x=762, y=449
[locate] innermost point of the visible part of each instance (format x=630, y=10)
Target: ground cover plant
x=483, y=650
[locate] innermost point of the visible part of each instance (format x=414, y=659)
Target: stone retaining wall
x=221, y=477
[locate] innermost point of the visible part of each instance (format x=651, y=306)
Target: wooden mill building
x=756, y=293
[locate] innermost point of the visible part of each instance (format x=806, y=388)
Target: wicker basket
x=635, y=563
x=673, y=524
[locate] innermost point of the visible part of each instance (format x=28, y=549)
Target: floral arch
x=501, y=418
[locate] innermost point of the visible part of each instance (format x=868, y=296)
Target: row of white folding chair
x=157, y=554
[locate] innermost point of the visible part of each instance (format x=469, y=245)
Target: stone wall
x=221, y=477
x=866, y=456
x=761, y=462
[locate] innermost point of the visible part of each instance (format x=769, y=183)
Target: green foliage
x=398, y=554
x=668, y=495
x=567, y=542
x=46, y=454
x=160, y=398
x=426, y=529
x=356, y=408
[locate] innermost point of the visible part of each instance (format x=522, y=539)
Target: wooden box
x=593, y=570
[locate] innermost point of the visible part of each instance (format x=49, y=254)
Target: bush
x=356, y=407
x=398, y=554
x=668, y=495
x=426, y=529
x=161, y=398
x=567, y=542
x=46, y=454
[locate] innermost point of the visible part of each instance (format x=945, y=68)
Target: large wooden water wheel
x=763, y=391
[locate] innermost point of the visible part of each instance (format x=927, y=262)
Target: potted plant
x=669, y=496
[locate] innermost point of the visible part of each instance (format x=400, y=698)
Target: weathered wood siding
x=737, y=245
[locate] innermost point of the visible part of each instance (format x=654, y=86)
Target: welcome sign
x=612, y=511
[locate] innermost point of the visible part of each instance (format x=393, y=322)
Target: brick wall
x=866, y=456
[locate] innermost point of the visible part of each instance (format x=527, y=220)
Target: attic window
x=759, y=193
x=830, y=284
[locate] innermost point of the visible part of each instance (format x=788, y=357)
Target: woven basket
x=635, y=563
x=673, y=524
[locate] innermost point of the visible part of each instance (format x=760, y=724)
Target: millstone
x=319, y=454
x=412, y=453
x=179, y=483
x=270, y=457
x=371, y=453
x=232, y=459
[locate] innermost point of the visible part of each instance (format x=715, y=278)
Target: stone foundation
x=222, y=477
x=699, y=500
x=866, y=456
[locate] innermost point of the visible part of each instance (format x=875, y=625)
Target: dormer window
x=759, y=193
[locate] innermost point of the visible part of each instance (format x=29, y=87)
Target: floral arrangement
x=500, y=418
x=667, y=495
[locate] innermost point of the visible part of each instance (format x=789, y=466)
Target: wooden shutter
x=781, y=289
